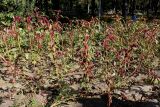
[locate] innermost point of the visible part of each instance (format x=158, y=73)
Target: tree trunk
x=100, y=8
x=124, y=9
x=88, y=7
x=133, y=6
x=93, y=7
x=148, y=8
x=116, y=6
x=71, y=4
x=155, y=5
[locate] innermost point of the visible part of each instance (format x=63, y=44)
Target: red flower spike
x=86, y=38
x=39, y=46
x=45, y=21
x=86, y=47
x=29, y=27
x=39, y=38
x=17, y=19
x=89, y=68
x=52, y=34
x=29, y=19
x=111, y=37
x=105, y=43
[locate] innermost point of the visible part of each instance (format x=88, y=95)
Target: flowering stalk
x=39, y=38
x=87, y=64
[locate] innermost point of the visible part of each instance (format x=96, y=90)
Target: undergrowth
x=114, y=53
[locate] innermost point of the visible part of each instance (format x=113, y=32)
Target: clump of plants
x=114, y=54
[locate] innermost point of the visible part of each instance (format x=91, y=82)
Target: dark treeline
x=83, y=8
x=91, y=7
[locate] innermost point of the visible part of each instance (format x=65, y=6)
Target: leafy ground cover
x=49, y=63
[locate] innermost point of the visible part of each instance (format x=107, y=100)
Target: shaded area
x=52, y=94
x=102, y=102
x=1, y=100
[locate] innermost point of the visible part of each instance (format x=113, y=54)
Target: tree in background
x=124, y=9
x=133, y=7
x=93, y=7
x=156, y=4
x=90, y=7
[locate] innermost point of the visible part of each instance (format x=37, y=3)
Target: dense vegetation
x=40, y=52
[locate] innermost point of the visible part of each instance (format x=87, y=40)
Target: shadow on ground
x=102, y=102
x=1, y=100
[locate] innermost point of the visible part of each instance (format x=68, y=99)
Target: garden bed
x=90, y=63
